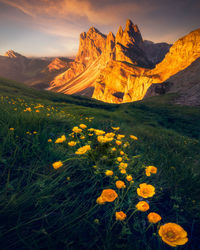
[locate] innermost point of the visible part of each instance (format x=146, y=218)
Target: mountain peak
x=12, y=54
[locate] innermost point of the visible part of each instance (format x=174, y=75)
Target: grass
x=44, y=208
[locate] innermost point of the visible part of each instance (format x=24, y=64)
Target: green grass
x=43, y=208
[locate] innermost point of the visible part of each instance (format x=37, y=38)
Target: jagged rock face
x=186, y=83
x=91, y=46
x=129, y=45
x=180, y=56
x=126, y=47
x=57, y=64
x=112, y=81
x=156, y=51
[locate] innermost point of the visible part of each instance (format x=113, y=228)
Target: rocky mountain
x=35, y=72
x=186, y=83
x=156, y=51
x=180, y=56
x=97, y=52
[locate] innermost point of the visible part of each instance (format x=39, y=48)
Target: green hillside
x=46, y=208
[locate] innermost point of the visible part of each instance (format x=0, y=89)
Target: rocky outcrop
x=185, y=51
x=126, y=47
x=130, y=47
x=186, y=83
x=12, y=54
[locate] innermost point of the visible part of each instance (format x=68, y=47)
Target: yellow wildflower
x=83, y=150
x=11, y=129
x=109, y=195
x=123, y=171
x=100, y=200
x=120, y=184
x=72, y=143
x=109, y=172
x=57, y=164
x=119, y=159
x=61, y=139
x=119, y=137
x=146, y=190
x=133, y=137
x=77, y=130
x=50, y=140
x=122, y=153
x=150, y=170
x=83, y=126
x=120, y=216
x=173, y=234
x=114, y=149
x=129, y=178
x=142, y=206
x=115, y=128
x=118, y=142
x=99, y=132
x=154, y=218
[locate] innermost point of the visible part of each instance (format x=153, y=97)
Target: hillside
x=42, y=207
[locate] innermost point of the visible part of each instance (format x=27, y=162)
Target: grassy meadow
x=45, y=206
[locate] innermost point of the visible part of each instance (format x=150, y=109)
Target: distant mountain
x=32, y=71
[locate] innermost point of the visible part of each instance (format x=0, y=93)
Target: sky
x=53, y=27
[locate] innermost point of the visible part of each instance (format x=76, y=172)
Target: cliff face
x=117, y=69
x=185, y=51
x=96, y=48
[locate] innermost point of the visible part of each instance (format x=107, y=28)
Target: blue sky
x=52, y=27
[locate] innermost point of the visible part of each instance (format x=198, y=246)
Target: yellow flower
x=61, y=139
x=37, y=111
x=83, y=150
x=82, y=137
x=110, y=135
x=100, y=200
x=99, y=132
x=173, y=234
x=129, y=178
x=120, y=215
x=142, y=206
x=119, y=137
x=133, y=137
x=123, y=171
x=121, y=152
x=11, y=129
x=83, y=126
x=91, y=129
x=108, y=195
x=146, y=190
x=103, y=139
x=115, y=128
x=109, y=172
x=90, y=134
x=120, y=184
x=57, y=164
x=113, y=149
x=154, y=217
x=72, y=143
x=119, y=159
x=123, y=165
x=34, y=132
x=77, y=130
x=118, y=142
x=150, y=170
x=50, y=140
